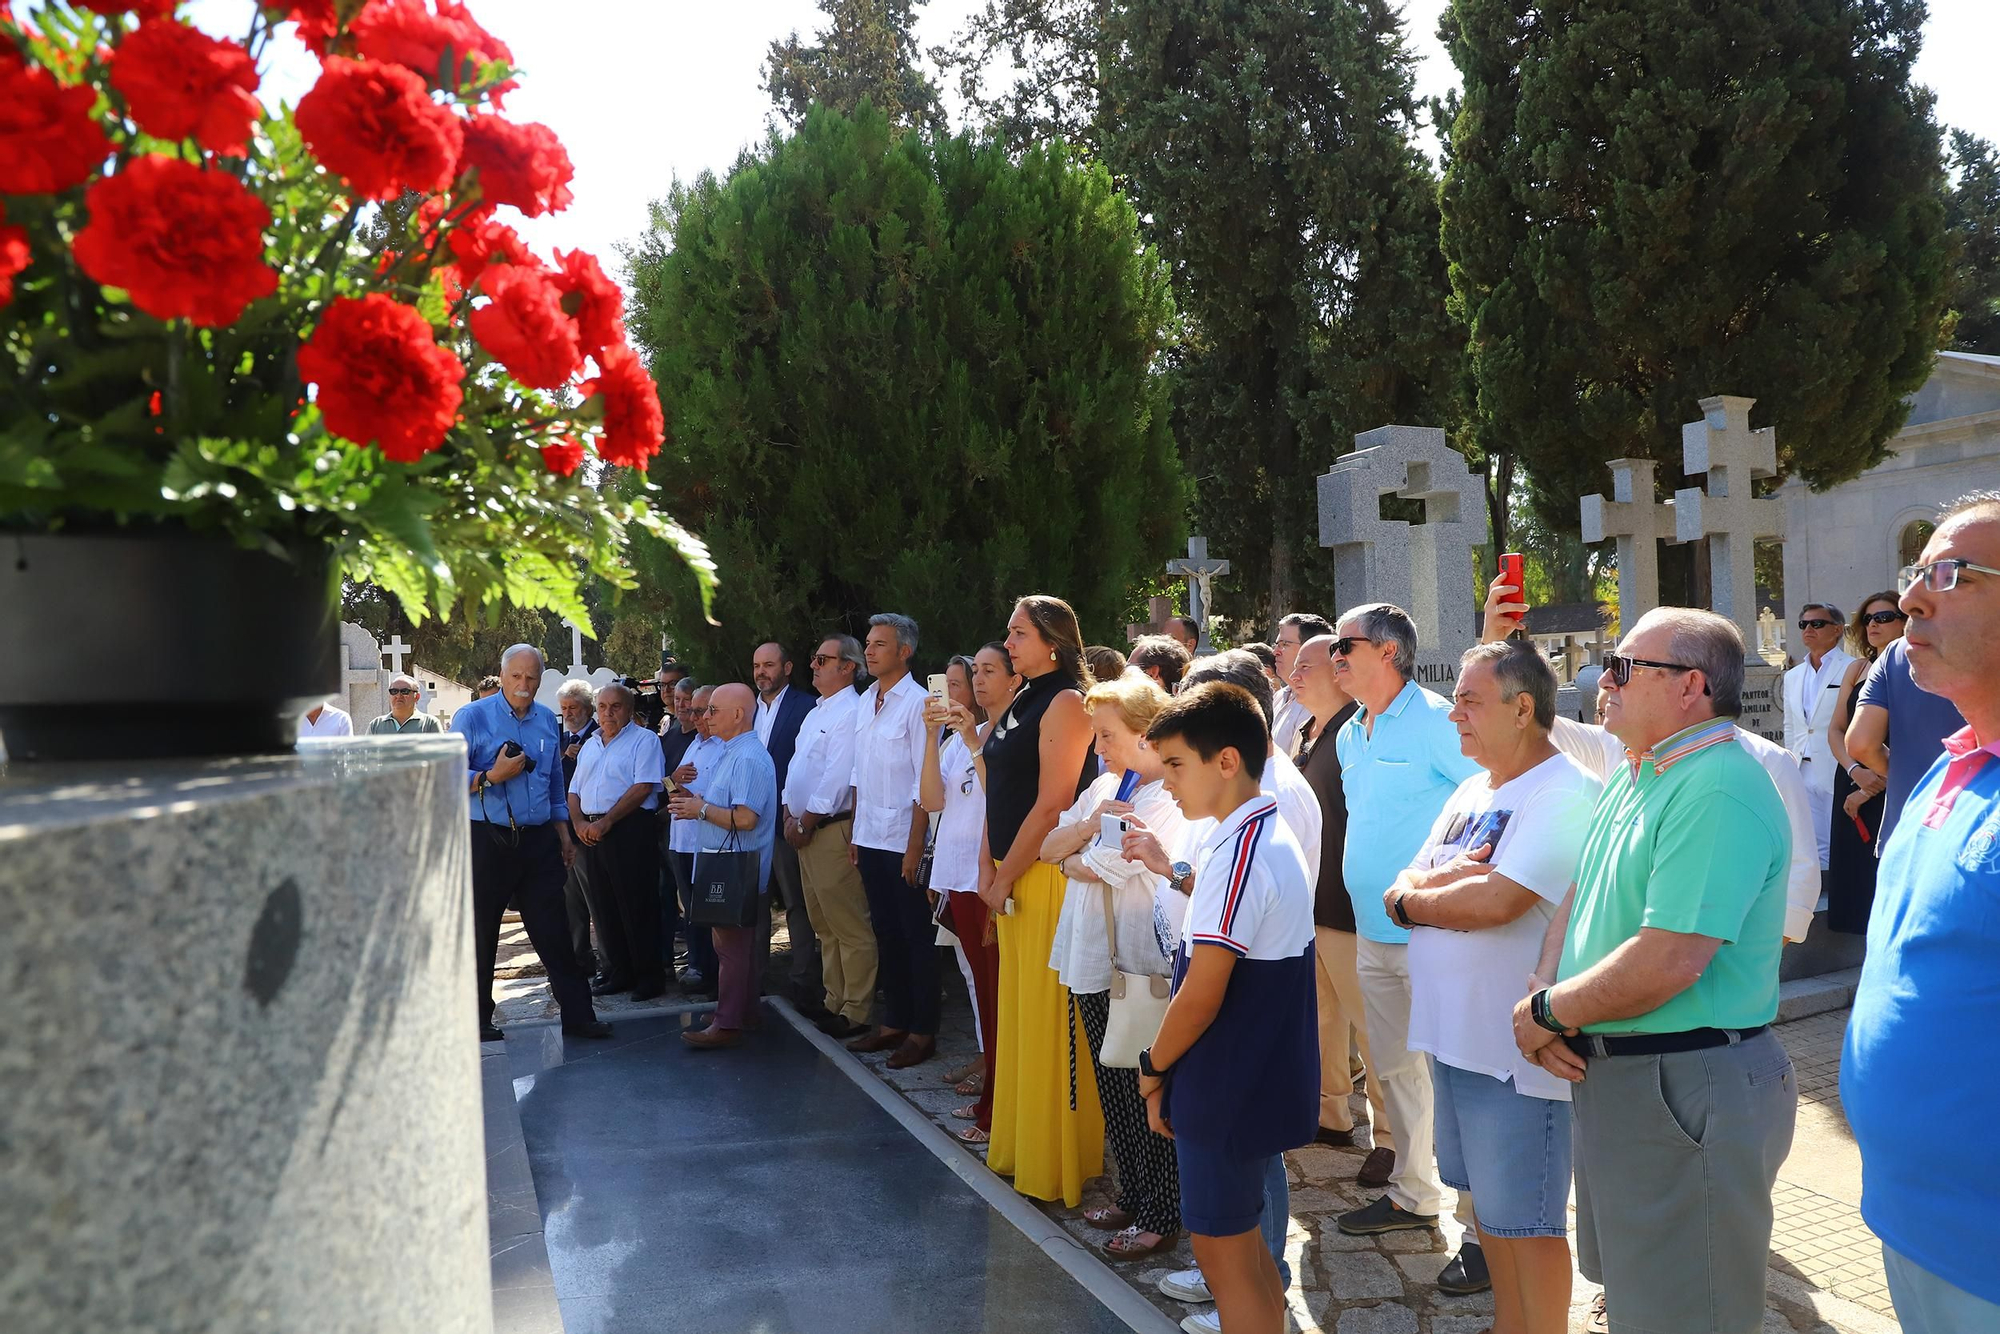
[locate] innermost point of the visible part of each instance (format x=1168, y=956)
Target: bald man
x=402, y=719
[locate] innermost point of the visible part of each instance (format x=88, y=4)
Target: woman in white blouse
x=1147, y=1215
x=950, y=784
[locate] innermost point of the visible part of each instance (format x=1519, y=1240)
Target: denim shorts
x=1221, y=1195
x=1510, y=1150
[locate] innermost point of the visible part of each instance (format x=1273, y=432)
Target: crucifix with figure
x=1198, y=570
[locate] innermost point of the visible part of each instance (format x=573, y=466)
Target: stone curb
x=1803, y=997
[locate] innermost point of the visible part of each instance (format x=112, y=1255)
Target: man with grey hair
x=520, y=840
x=402, y=719
x=618, y=778
x=818, y=813
x=1659, y=977
x=1400, y=763
x=1811, y=690
x=576, y=702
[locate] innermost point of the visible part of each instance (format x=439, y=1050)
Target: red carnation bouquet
x=316, y=327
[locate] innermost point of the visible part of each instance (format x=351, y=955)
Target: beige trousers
x=838, y=909
x=1339, y=1014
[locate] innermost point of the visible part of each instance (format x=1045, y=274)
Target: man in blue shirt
x=520, y=836
x=1920, y=1074
x=1400, y=761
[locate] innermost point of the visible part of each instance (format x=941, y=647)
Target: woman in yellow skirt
x=1034, y=762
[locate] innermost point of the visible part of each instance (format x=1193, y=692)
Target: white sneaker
x=1186, y=1285
x=1204, y=1322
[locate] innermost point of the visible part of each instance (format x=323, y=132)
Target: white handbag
x=1138, y=1004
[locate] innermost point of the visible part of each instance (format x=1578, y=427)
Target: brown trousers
x=837, y=907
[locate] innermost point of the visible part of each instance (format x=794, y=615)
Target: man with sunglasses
x=402, y=719
x=1656, y=988
x=1812, y=688
x=1920, y=1070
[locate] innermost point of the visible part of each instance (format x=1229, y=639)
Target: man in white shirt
x=611, y=798
x=683, y=841
x=818, y=814
x=1290, y=714
x=1811, y=690
x=889, y=828
x=326, y=719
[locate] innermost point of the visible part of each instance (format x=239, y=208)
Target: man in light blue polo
x=1400, y=762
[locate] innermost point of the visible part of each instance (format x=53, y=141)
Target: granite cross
x=1157, y=611
x=1639, y=522
x=1198, y=570
x=1727, y=512
x=395, y=650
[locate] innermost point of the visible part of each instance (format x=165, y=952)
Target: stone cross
x=1639, y=523
x=1157, y=611
x=395, y=651
x=1426, y=568
x=1198, y=570
x=1723, y=446
x=576, y=666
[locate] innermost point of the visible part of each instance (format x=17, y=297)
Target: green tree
x=868, y=52
x=1272, y=147
x=905, y=373
x=1972, y=211
x=1051, y=87
x=1650, y=201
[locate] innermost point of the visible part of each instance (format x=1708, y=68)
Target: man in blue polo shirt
x=1923, y=1044
x=1400, y=761
x=520, y=837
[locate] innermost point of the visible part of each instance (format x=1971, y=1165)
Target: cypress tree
x=867, y=53
x=1972, y=210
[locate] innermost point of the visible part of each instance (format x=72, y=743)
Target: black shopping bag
x=727, y=886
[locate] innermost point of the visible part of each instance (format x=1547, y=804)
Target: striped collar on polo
x=1242, y=838
x=1664, y=755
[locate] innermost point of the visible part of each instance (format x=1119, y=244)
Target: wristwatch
x=1178, y=876
x=1538, y=1008
x=1402, y=914
x=1146, y=1066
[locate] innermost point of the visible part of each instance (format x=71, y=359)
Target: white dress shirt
x=702, y=753
x=605, y=773
x=1291, y=717
x=962, y=824
x=767, y=716
x=888, y=759
x=821, y=778
x=332, y=721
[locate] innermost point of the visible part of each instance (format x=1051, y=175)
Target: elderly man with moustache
x=780, y=712
x=520, y=840
x=735, y=810
x=1656, y=988
x=402, y=719
x=617, y=785
x=1920, y=1072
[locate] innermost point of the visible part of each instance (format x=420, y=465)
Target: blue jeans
x=1277, y=1214
x=1927, y=1304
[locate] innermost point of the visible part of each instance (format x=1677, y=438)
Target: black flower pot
x=155, y=644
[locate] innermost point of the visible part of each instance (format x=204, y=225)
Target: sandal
x=964, y=1073
x=1108, y=1216
x=969, y=1112
x=1126, y=1245
x=971, y=1085
x=973, y=1135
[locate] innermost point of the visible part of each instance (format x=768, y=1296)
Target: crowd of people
x=1196, y=897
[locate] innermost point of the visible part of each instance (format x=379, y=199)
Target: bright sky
x=642, y=91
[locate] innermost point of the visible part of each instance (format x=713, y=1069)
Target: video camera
x=648, y=709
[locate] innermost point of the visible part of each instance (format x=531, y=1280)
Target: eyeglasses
x=1883, y=617
x=1345, y=644
x=1619, y=668
x=1816, y=623
x=1940, y=576
x=821, y=659
x=401, y=690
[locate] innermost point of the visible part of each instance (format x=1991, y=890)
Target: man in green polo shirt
x=402, y=718
x=1657, y=985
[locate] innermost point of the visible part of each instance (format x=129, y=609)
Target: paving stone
x=1333, y=1239
x=1410, y=1239
x=1388, y=1318
x=1423, y=1267
x=1317, y=1200
x=1351, y=1275
x=1459, y=1324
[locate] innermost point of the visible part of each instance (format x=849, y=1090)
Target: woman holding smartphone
x=1034, y=758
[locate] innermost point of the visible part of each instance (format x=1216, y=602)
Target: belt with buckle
x=1658, y=1044
x=826, y=820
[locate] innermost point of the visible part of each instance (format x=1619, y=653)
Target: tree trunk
x=1281, y=574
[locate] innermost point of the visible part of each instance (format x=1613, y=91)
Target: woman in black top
x=1034, y=767
x=1857, y=810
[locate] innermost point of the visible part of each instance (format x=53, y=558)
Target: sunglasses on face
x=1940, y=576
x=401, y=690
x=822, y=659
x=1619, y=668
x=1816, y=623
x=1345, y=644
x=1884, y=617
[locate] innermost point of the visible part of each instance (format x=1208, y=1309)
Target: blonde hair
x=1136, y=696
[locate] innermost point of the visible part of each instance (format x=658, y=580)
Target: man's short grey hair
x=399, y=679
x=631, y=695
x=905, y=628
x=575, y=690
x=1519, y=669
x=1826, y=607
x=1387, y=623
x=1709, y=643
x=507, y=656
x=687, y=683
x=1967, y=503
x=1238, y=669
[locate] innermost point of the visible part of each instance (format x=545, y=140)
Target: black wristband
x=1538, y=1007
x=1402, y=913
x=1146, y=1066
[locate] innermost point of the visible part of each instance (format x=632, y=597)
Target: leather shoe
x=596, y=1028
x=488, y=1033
x=1339, y=1139
x=711, y=1038
x=650, y=993
x=1377, y=1168
x=914, y=1051
x=1466, y=1274
x=880, y=1039
x=839, y=1027
x=609, y=986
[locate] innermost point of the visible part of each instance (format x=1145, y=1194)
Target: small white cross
x=395, y=650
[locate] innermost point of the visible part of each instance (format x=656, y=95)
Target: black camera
x=512, y=748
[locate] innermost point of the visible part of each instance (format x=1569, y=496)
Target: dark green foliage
x=1650, y=201
x=868, y=53
x=1270, y=145
x=1050, y=86
x=905, y=374
x=1972, y=211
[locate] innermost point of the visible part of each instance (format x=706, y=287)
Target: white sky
x=641, y=91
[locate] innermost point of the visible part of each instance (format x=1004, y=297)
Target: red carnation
x=382, y=377
x=376, y=127
x=146, y=9
x=318, y=22
x=49, y=141
x=14, y=257
x=179, y=83
x=563, y=458
x=634, y=426
x=181, y=240
x=525, y=328
x=409, y=34
x=592, y=299
x=479, y=242
x=523, y=165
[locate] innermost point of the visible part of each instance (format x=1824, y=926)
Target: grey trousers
x=1676, y=1157
x=787, y=890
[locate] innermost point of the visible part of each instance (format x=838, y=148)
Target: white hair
x=574, y=689
x=507, y=656
x=631, y=695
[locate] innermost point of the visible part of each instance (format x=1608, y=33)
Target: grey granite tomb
x=240, y=1068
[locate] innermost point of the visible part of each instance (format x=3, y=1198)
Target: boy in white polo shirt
x=1233, y=1075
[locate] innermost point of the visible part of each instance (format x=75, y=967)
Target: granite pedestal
x=240, y=1071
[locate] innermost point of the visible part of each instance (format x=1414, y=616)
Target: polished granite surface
x=759, y=1191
